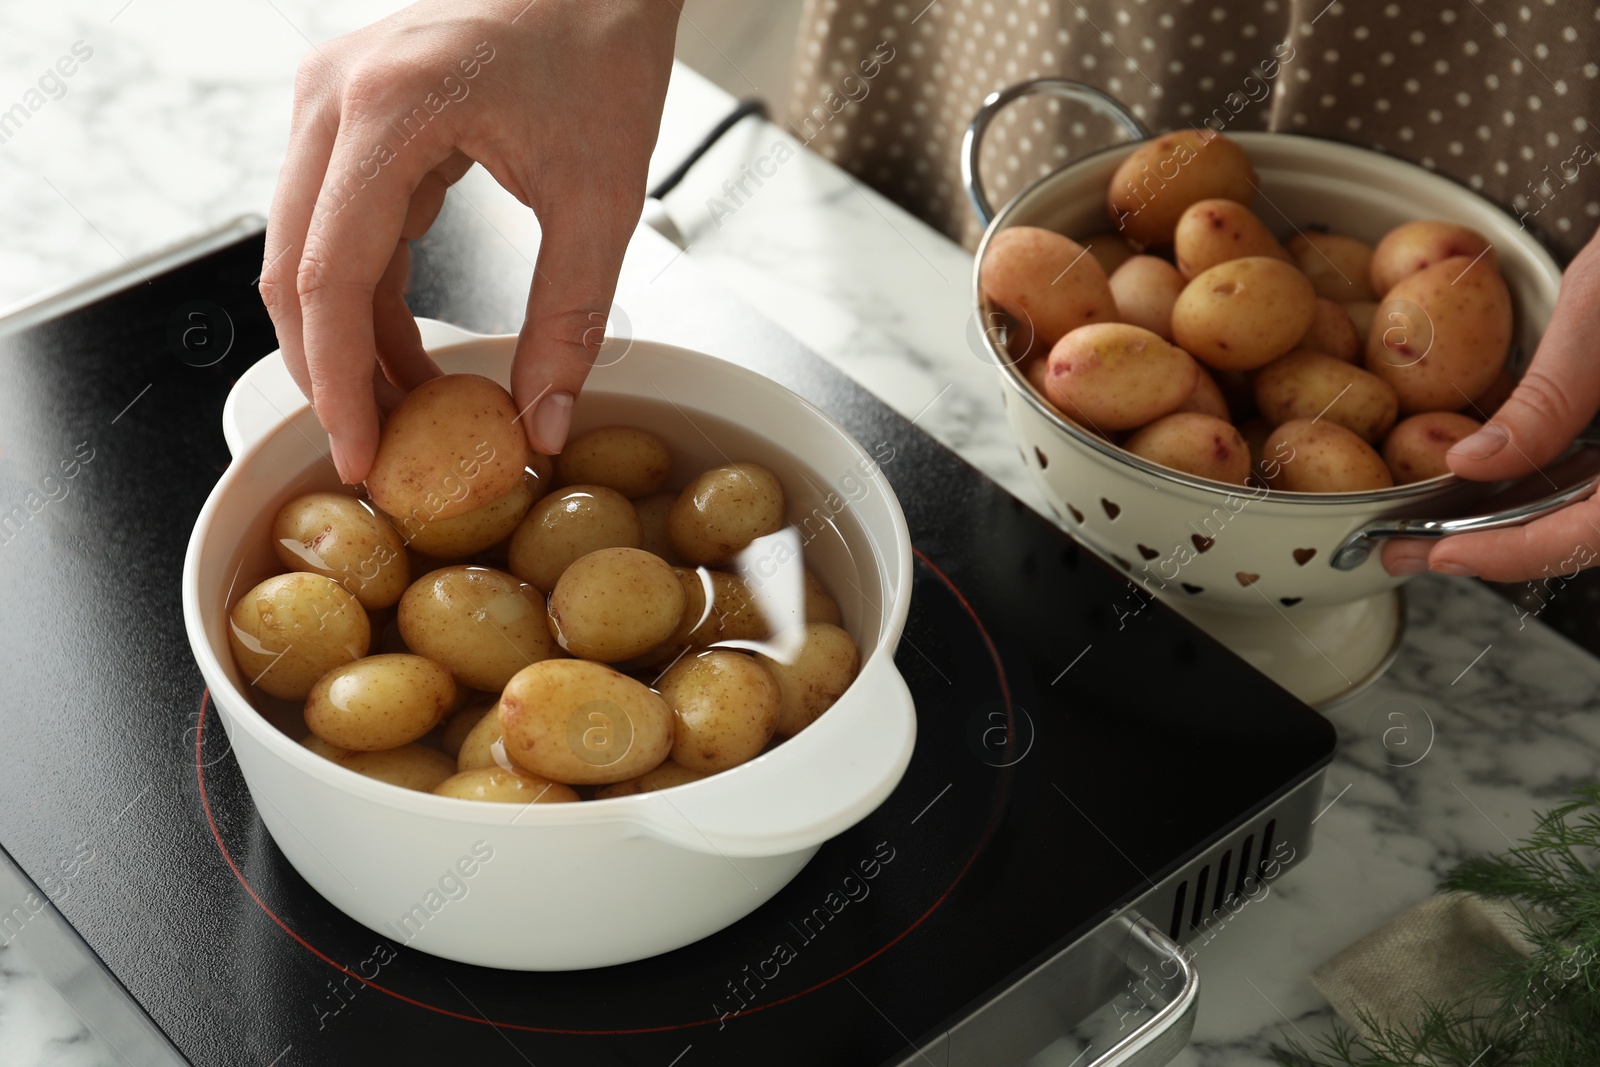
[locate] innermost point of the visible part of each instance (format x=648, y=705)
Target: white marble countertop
x=171, y=128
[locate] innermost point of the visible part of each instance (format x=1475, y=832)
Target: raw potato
x=652, y=512
x=1108, y=249
x=1046, y=282
x=461, y=724
x=820, y=674
x=583, y=723
x=452, y=445
x=1339, y=267
x=1416, y=448
x=497, y=785
x=1309, y=385
x=1322, y=457
x=1116, y=377
x=568, y=524
x=1202, y=445
x=379, y=702
x=1244, y=313
x=1361, y=316
x=339, y=537
x=409, y=767
x=483, y=624
x=1145, y=288
x=322, y=748
x=1442, y=335
x=723, y=510
x=665, y=776
x=1160, y=179
x=724, y=706
x=616, y=604
x=480, y=747
x=1333, y=334
x=633, y=462
x=1214, y=231
x=734, y=614
x=820, y=607
x=476, y=530
x=292, y=629
x=1207, y=398
x=1416, y=246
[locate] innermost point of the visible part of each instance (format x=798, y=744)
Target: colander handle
x=1575, y=477
x=1078, y=92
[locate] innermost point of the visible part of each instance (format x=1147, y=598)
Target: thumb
x=580, y=254
x=1556, y=397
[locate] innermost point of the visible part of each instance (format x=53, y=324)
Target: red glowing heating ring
x=205, y=802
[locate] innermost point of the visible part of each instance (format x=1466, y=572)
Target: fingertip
x=548, y=423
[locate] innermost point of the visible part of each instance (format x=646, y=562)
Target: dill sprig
x=1537, y=1010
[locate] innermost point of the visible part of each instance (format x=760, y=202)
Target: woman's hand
x=1553, y=402
x=560, y=100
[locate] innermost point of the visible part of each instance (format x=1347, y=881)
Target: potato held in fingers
x=474, y=530
x=583, y=723
x=452, y=445
x=1116, y=376
x=1442, y=335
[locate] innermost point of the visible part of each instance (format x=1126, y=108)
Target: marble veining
x=172, y=127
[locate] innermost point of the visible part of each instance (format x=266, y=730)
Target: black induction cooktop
x=1071, y=753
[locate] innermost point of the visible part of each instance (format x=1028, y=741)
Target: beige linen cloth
x=1500, y=95
x=1435, y=953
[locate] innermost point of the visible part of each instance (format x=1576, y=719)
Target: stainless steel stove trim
x=53, y=303
x=1112, y=960
x=77, y=974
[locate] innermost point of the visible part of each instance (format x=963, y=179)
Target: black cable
x=752, y=106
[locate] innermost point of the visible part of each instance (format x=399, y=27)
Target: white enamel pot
x=565, y=886
x=1224, y=547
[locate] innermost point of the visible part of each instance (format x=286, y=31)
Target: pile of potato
x=1194, y=339
x=561, y=640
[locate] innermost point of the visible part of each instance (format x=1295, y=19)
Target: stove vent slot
x=1200, y=882
x=1244, y=864
x=1266, y=850
x=1175, y=931
x=1222, y=881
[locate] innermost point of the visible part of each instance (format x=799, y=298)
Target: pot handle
x=1078, y=92
x=266, y=396
x=1166, y=1033
x=806, y=790
x=1578, y=472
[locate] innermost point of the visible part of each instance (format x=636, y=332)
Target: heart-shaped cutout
x=1077, y=516
x=1289, y=601
x=1201, y=544
x=1247, y=579
x=1303, y=556
x=1192, y=590
x=1112, y=510
x=1044, y=460
x=1147, y=552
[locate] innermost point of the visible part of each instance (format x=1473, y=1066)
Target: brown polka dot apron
x=1503, y=97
